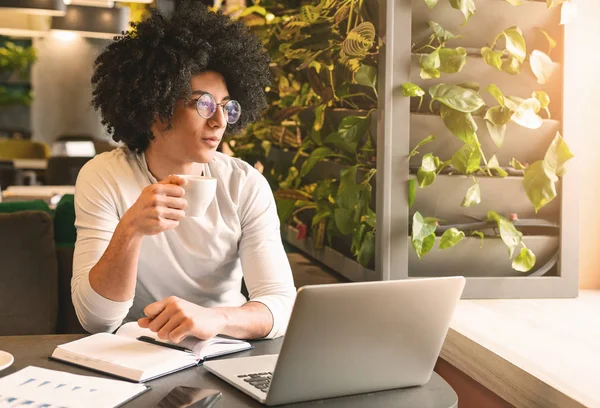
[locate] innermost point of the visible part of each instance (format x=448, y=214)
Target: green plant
x=11, y=96
x=324, y=59
x=16, y=58
x=458, y=105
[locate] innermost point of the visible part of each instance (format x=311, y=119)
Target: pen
x=151, y=340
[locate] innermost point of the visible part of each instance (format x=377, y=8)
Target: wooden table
x=34, y=350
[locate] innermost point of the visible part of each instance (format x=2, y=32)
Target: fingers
x=169, y=202
x=172, y=323
x=166, y=189
x=154, y=309
x=173, y=179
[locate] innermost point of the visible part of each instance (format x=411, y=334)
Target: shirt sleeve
x=96, y=219
x=266, y=268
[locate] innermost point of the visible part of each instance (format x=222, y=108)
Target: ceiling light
x=95, y=22
x=43, y=7
x=23, y=25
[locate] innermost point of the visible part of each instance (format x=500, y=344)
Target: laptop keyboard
x=258, y=380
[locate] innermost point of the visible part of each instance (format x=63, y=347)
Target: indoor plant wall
x=316, y=142
x=16, y=58
x=488, y=108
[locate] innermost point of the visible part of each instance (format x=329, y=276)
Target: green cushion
x=31, y=205
x=65, y=233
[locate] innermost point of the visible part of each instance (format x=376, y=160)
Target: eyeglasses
x=206, y=106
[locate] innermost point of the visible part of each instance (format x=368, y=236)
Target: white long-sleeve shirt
x=202, y=260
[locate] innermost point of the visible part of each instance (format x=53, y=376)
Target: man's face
x=194, y=138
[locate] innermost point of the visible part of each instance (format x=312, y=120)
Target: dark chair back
x=63, y=170
x=28, y=274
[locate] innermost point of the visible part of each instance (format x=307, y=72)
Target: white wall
x=582, y=120
x=62, y=88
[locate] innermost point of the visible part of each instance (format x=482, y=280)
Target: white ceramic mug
x=199, y=193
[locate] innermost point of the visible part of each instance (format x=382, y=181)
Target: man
x=169, y=90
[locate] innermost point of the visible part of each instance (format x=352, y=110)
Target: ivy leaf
x=554, y=3
x=366, y=253
x=320, y=216
x=462, y=125
x=349, y=133
x=466, y=159
x=319, y=117
x=544, y=100
x=285, y=209
x=539, y=185
x=480, y=235
x=371, y=218
x=451, y=237
x=423, y=142
x=525, y=261
x=442, y=34
x=472, y=197
x=508, y=232
x=412, y=191
x=452, y=60
x=557, y=156
x=496, y=119
x=568, y=12
x=496, y=93
x=455, y=97
x=319, y=154
x=367, y=76
x=511, y=66
x=423, y=234
x=551, y=42
x=430, y=65
x=427, y=172
x=492, y=58
x=515, y=43
x=542, y=66
x=410, y=89
x=526, y=114
x=344, y=220
x=467, y=7
x=515, y=2
x=348, y=192
x=514, y=163
x=431, y=3
x=494, y=165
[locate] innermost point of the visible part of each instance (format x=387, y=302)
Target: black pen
x=151, y=340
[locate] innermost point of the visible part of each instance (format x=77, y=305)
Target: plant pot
x=491, y=17
x=504, y=195
x=476, y=70
x=343, y=265
x=468, y=259
x=534, y=148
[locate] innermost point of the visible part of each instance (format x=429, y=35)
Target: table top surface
x=547, y=348
x=34, y=350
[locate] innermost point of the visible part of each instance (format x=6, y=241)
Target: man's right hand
x=159, y=207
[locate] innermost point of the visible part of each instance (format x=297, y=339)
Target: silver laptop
x=351, y=338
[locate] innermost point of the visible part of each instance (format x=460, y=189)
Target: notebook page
x=125, y=352
x=53, y=389
x=133, y=330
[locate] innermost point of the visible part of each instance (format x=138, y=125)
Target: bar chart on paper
x=36, y=387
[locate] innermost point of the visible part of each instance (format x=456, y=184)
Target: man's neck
x=161, y=165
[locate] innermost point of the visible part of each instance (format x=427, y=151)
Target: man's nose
x=218, y=120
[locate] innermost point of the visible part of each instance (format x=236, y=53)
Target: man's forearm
x=253, y=320
x=115, y=274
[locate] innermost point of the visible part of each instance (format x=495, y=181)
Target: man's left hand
x=174, y=319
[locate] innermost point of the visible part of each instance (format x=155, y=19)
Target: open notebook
x=123, y=355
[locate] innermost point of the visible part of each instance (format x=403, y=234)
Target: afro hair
x=142, y=74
